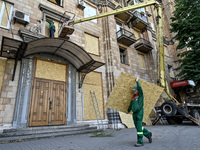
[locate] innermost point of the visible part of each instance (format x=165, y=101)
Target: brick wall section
x=9, y=92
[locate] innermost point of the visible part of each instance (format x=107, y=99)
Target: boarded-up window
x=57, y=26
x=5, y=14
x=3, y=62
x=91, y=44
x=90, y=11
x=142, y=61
x=50, y=70
x=57, y=2
x=93, y=82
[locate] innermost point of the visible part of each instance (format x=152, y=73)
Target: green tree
x=186, y=25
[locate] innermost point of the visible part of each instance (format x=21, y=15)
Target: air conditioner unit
x=21, y=17
x=81, y=4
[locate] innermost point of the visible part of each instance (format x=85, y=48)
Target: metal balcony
x=139, y=20
x=143, y=45
x=124, y=16
x=125, y=37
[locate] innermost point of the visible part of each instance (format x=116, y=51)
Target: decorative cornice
x=54, y=13
x=28, y=36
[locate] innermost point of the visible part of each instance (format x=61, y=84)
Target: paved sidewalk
x=165, y=137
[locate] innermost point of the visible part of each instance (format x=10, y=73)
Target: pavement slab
x=165, y=137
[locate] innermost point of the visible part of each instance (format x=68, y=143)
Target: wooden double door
x=48, y=102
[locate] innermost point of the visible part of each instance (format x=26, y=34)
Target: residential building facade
x=47, y=81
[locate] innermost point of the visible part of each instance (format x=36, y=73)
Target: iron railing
x=143, y=41
x=126, y=33
x=140, y=16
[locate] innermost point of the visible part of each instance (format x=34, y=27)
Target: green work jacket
x=137, y=102
x=51, y=25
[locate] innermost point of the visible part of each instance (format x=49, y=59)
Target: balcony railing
x=143, y=45
x=125, y=37
x=141, y=16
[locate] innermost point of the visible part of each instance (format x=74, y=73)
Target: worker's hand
x=137, y=79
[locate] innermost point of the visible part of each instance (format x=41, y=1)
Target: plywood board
x=127, y=120
x=5, y=19
x=91, y=44
x=50, y=70
x=93, y=82
x=3, y=62
x=122, y=93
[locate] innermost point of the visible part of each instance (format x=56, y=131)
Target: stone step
x=45, y=131
x=46, y=135
x=44, y=128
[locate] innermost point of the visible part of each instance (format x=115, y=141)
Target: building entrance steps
x=10, y=135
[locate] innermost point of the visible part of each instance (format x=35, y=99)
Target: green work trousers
x=138, y=118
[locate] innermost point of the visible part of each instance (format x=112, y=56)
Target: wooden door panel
x=57, y=111
x=40, y=103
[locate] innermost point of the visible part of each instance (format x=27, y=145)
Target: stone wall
x=8, y=94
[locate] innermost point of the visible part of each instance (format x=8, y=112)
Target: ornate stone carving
x=37, y=28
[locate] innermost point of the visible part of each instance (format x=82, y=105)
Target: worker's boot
x=150, y=138
x=138, y=145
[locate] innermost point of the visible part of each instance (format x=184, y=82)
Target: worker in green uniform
x=136, y=106
x=51, y=28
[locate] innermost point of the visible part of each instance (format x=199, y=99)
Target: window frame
x=61, y=3
x=125, y=59
x=90, y=6
x=10, y=15
x=119, y=24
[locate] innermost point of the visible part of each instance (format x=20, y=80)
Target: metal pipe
x=118, y=11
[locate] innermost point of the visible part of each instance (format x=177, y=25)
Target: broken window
x=90, y=11
x=123, y=56
x=58, y=2
x=5, y=14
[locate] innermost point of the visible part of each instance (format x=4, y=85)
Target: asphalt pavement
x=165, y=137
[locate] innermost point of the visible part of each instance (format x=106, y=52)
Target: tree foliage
x=186, y=25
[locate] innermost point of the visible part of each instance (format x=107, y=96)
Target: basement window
x=57, y=2
x=123, y=56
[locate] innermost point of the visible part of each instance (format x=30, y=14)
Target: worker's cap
x=135, y=88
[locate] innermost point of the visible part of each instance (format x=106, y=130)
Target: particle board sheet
x=5, y=18
x=91, y=44
x=93, y=82
x=122, y=93
x=50, y=70
x=127, y=120
x=3, y=63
